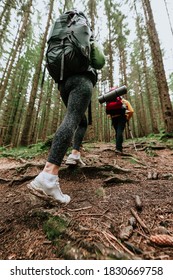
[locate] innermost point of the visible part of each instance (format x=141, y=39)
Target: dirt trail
x=103, y=200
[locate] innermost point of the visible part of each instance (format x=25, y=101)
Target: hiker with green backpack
x=72, y=59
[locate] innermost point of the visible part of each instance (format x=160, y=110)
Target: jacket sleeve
x=129, y=111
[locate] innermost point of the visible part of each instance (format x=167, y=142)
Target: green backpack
x=69, y=47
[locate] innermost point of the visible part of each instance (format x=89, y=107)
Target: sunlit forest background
x=30, y=105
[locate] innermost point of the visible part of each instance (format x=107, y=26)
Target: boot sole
x=42, y=195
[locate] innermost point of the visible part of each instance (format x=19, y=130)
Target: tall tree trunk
x=146, y=76
x=56, y=109
x=40, y=98
x=4, y=20
x=5, y=71
x=19, y=80
x=159, y=67
x=110, y=12
x=4, y=10
x=18, y=46
x=47, y=111
x=166, y=6
x=26, y=134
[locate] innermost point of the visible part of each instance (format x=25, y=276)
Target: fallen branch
x=4, y=181
x=105, y=235
x=106, y=167
x=133, y=248
x=135, y=160
x=117, y=180
x=119, y=243
x=139, y=220
x=21, y=180
x=16, y=181
x=92, y=171
x=26, y=165
x=79, y=209
x=121, y=169
x=157, y=147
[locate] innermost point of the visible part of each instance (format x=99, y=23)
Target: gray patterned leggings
x=76, y=94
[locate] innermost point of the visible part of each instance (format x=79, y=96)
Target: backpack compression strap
x=62, y=60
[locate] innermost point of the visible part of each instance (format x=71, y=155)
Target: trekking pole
x=131, y=134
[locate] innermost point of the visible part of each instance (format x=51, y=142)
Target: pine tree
x=159, y=67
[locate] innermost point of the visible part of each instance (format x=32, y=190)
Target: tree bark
x=158, y=67
x=26, y=134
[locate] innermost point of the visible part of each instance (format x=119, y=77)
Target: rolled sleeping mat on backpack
x=112, y=94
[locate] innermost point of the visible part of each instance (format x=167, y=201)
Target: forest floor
x=121, y=206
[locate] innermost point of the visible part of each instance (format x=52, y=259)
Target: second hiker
x=120, y=111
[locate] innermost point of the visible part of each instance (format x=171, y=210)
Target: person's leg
x=80, y=91
x=76, y=94
x=79, y=134
x=121, y=122
x=115, y=126
x=75, y=158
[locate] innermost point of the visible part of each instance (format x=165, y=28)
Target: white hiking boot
x=48, y=189
x=74, y=160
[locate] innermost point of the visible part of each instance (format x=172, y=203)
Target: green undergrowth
x=161, y=138
x=23, y=152
x=54, y=227
x=41, y=148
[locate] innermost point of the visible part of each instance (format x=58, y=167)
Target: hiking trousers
x=76, y=94
x=119, y=124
